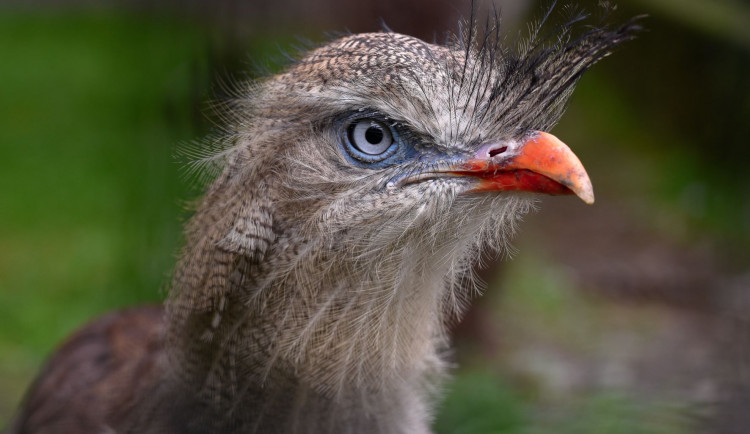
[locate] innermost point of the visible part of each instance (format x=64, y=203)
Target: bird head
x=360, y=183
x=375, y=136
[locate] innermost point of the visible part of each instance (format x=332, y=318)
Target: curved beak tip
x=547, y=155
x=585, y=192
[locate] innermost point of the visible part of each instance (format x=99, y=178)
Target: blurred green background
x=631, y=316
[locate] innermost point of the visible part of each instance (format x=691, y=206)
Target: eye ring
x=370, y=140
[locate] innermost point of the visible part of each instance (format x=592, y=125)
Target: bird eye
x=371, y=140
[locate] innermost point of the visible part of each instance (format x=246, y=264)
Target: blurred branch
x=723, y=18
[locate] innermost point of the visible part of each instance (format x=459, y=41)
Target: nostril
x=497, y=151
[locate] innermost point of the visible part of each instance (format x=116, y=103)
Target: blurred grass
x=91, y=105
x=478, y=402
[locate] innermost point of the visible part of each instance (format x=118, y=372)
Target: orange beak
x=542, y=164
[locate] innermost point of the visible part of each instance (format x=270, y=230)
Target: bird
x=350, y=195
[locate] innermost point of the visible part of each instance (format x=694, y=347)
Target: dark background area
x=631, y=316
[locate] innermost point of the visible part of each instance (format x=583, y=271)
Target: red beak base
x=542, y=164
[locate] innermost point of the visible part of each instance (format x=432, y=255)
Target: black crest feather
x=526, y=87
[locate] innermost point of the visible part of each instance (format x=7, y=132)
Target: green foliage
x=91, y=107
x=478, y=403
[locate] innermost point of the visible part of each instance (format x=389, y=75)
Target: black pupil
x=374, y=135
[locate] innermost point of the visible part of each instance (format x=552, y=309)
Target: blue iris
x=373, y=142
